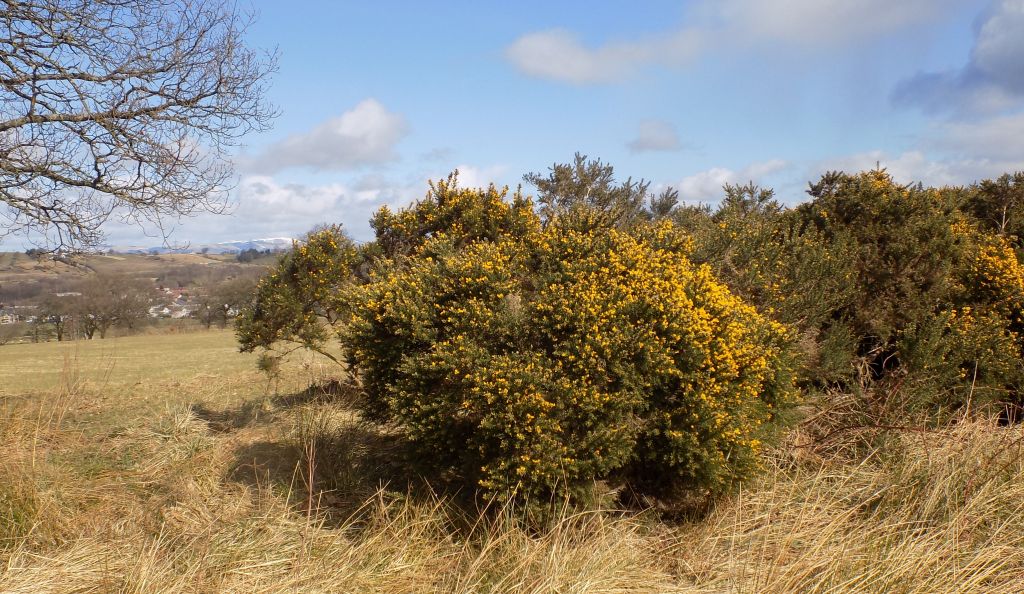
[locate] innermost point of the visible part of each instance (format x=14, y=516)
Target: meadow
x=169, y=463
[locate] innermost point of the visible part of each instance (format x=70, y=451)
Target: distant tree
x=999, y=205
x=57, y=312
x=125, y=107
x=248, y=255
x=107, y=300
x=234, y=294
x=225, y=300
x=11, y=332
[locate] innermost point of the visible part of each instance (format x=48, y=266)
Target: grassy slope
x=17, y=269
x=166, y=463
x=15, y=266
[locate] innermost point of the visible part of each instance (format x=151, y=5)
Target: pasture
x=168, y=463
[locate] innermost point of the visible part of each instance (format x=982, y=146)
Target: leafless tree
x=121, y=108
x=222, y=301
x=56, y=311
x=107, y=300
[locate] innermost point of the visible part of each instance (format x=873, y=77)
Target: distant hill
x=274, y=244
x=25, y=278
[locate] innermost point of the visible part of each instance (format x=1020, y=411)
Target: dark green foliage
x=904, y=249
x=998, y=206
x=587, y=189
x=301, y=300
x=882, y=284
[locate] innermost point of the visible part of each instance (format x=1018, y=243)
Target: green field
x=121, y=363
x=135, y=377
x=168, y=463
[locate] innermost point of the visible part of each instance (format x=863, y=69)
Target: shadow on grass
x=322, y=454
x=335, y=472
x=268, y=410
x=232, y=419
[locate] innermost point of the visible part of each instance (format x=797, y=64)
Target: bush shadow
x=332, y=461
x=268, y=410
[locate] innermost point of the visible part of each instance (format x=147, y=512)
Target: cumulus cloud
x=706, y=186
x=364, y=135
x=655, y=135
x=559, y=55
x=266, y=206
x=992, y=79
x=293, y=208
x=480, y=177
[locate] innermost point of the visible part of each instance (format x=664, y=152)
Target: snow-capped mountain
x=274, y=244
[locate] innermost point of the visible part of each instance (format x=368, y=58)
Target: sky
x=377, y=98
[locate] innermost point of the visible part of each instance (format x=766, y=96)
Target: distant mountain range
x=274, y=244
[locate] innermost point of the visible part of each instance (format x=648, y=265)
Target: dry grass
x=222, y=486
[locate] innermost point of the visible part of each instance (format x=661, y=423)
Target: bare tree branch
x=124, y=108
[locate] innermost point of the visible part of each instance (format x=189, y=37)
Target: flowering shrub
x=301, y=300
x=994, y=278
x=986, y=329
x=533, y=361
x=898, y=292
x=463, y=215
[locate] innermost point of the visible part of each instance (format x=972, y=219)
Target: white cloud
x=266, y=206
x=992, y=78
x=480, y=177
x=706, y=186
x=998, y=138
x=558, y=54
x=655, y=135
x=364, y=135
x=916, y=166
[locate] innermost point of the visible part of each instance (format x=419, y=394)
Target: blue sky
x=377, y=98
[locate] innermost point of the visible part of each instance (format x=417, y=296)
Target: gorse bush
x=462, y=216
x=533, y=361
x=933, y=308
x=898, y=293
x=301, y=301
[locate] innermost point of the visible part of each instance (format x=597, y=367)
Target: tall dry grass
x=290, y=495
